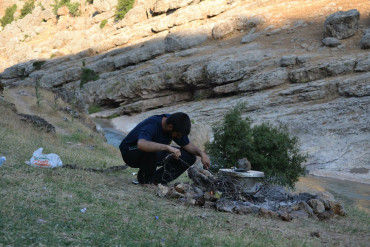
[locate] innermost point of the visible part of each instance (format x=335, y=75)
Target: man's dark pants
x=147, y=162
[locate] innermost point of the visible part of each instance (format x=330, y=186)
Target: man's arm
x=149, y=146
x=191, y=148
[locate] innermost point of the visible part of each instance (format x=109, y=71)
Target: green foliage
x=9, y=15
x=94, y=109
x=27, y=8
x=123, y=7
x=231, y=140
x=88, y=75
x=37, y=65
x=72, y=7
x=38, y=93
x=269, y=149
x=103, y=23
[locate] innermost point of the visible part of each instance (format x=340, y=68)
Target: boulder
x=264, y=80
x=365, y=40
x=331, y=42
x=104, y=5
x=162, y=6
x=342, y=25
x=288, y=60
x=185, y=39
x=38, y=122
x=222, y=28
x=222, y=70
x=363, y=64
x=255, y=21
x=251, y=36
x=136, y=15
x=316, y=205
x=63, y=11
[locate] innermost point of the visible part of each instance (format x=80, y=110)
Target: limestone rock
x=250, y=37
x=342, y=25
x=316, y=205
x=331, y=42
x=222, y=70
x=363, y=64
x=244, y=164
x=268, y=213
x=181, y=188
x=289, y=60
x=365, y=40
x=185, y=39
x=162, y=190
x=63, y=11
x=264, y=80
x=338, y=208
x=104, y=5
x=222, y=28
x=255, y=21
x=162, y=6
x=136, y=15
x=319, y=71
x=38, y=122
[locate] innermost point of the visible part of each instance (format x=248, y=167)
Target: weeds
x=28, y=7
x=103, y=23
x=9, y=15
x=88, y=75
x=38, y=93
x=123, y=7
x=37, y=65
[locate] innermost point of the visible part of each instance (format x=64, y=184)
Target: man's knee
x=188, y=157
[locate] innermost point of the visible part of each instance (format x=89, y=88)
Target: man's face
x=176, y=135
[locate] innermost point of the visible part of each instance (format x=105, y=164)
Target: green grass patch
x=88, y=75
x=94, y=109
x=123, y=7
x=103, y=23
x=43, y=206
x=28, y=7
x=9, y=15
x=37, y=65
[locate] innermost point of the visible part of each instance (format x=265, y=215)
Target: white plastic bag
x=45, y=160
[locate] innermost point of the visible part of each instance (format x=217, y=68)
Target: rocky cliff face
x=203, y=57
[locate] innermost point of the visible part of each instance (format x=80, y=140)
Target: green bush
x=72, y=7
x=9, y=15
x=103, y=23
x=88, y=75
x=123, y=7
x=37, y=64
x=27, y=8
x=269, y=149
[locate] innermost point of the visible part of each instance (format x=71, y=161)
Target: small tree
x=27, y=8
x=269, y=149
x=231, y=140
x=123, y=7
x=9, y=15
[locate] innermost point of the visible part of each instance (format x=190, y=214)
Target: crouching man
x=147, y=147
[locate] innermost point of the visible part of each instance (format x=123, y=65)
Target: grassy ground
x=43, y=206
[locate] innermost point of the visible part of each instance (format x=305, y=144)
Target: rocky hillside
x=302, y=63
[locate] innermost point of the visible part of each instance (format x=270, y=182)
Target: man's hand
x=205, y=161
x=176, y=152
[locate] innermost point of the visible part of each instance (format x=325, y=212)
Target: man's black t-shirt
x=151, y=130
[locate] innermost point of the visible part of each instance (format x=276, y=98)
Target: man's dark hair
x=181, y=122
